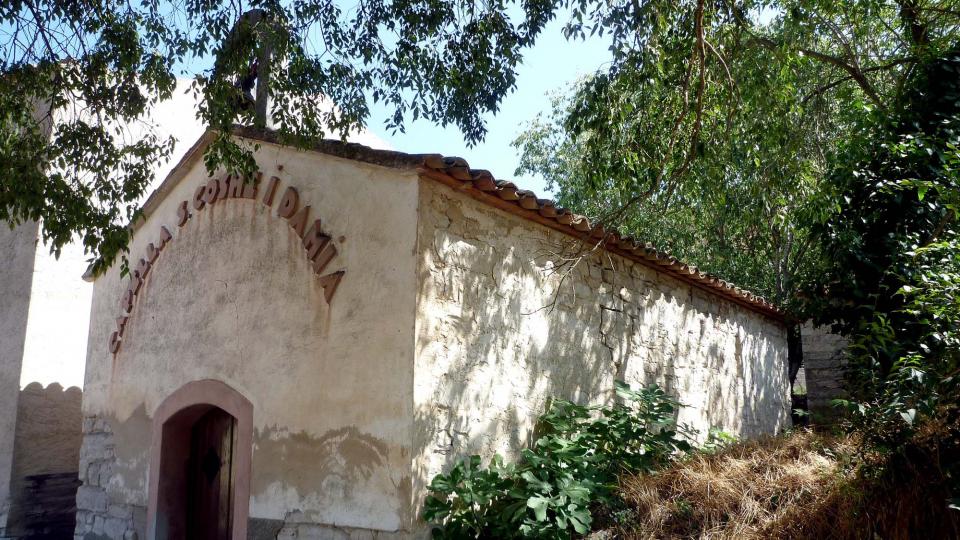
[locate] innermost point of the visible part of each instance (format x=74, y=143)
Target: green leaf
x=539, y=506
x=579, y=526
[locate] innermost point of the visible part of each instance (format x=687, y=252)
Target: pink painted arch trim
x=217, y=394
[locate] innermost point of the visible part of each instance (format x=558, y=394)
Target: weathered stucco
x=500, y=330
x=232, y=297
x=16, y=274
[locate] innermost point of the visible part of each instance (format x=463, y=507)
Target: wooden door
x=209, y=478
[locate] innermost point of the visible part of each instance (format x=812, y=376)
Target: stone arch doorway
x=200, y=464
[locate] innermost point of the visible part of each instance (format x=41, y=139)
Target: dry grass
x=804, y=485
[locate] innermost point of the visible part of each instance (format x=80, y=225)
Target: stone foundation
x=97, y=516
x=292, y=529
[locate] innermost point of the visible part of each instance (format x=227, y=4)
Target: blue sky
x=550, y=65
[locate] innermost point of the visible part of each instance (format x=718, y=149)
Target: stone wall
x=99, y=515
x=47, y=446
x=823, y=370
x=503, y=326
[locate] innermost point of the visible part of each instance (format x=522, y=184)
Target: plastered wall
x=16, y=274
x=232, y=297
x=502, y=327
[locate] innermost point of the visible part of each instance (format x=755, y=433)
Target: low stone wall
x=823, y=365
x=46, y=452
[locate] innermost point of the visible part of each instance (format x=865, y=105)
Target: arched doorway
x=209, y=479
x=196, y=477
x=200, y=464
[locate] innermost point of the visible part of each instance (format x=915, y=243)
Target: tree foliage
x=890, y=277
x=812, y=156
x=702, y=100
x=97, y=65
x=715, y=123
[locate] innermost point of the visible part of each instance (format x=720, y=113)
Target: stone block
x=115, y=527
x=567, y=300
x=582, y=290
x=98, y=522
x=105, y=473
x=92, y=499
x=97, y=446
x=120, y=511
x=90, y=473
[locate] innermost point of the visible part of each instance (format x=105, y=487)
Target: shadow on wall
x=503, y=331
x=45, y=462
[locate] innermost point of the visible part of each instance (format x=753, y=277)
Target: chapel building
x=297, y=354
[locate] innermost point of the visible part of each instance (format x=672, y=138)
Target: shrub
x=889, y=277
x=571, y=470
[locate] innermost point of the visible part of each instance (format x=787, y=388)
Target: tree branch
x=841, y=80
x=910, y=15
x=855, y=73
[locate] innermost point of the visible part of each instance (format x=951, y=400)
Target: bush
x=571, y=470
x=889, y=279
x=923, y=338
